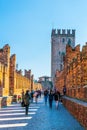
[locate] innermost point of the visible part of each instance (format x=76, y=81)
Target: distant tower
x=59, y=39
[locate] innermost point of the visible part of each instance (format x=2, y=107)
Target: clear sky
x=26, y=26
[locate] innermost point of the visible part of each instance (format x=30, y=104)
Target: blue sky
x=26, y=26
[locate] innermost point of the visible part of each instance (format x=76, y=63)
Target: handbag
x=23, y=104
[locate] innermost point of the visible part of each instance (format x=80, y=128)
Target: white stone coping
x=85, y=86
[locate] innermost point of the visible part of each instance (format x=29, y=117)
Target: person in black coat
x=64, y=90
x=50, y=98
x=26, y=101
x=57, y=98
x=46, y=96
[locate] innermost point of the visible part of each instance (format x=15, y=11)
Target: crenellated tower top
x=63, y=32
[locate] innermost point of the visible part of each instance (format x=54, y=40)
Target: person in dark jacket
x=32, y=95
x=57, y=98
x=45, y=96
x=50, y=98
x=64, y=90
x=26, y=101
x=22, y=102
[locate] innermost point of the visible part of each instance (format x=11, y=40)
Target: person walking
x=26, y=101
x=46, y=96
x=32, y=95
x=50, y=98
x=36, y=96
x=57, y=98
x=22, y=102
x=64, y=90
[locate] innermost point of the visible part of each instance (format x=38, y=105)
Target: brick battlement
x=63, y=32
x=11, y=79
x=74, y=74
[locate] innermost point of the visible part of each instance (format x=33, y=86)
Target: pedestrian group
x=49, y=96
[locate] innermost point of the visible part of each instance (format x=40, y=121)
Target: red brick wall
x=74, y=74
x=77, y=110
x=79, y=93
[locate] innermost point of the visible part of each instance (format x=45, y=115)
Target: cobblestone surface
x=43, y=119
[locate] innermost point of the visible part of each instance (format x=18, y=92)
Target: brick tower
x=59, y=39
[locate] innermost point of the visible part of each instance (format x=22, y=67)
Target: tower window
x=60, y=67
x=63, y=40
x=69, y=41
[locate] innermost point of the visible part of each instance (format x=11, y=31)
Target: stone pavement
x=40, y=117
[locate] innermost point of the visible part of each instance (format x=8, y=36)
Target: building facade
x=45, y=82
x=59, y=40
x=12, y=82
